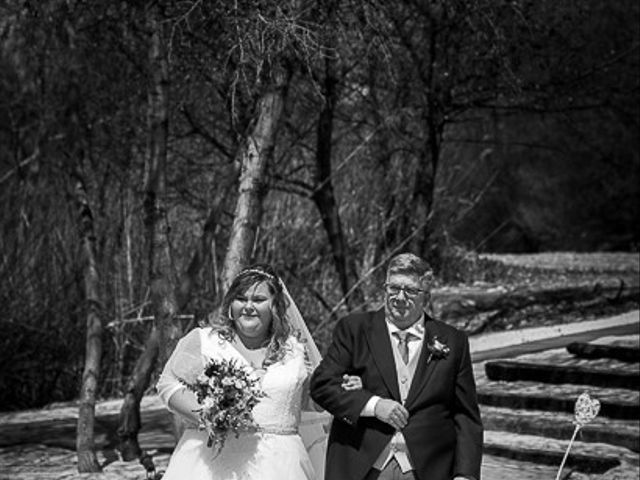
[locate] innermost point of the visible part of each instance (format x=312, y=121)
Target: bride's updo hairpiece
x=261, y=272
x=267, y=272
x=257, y=270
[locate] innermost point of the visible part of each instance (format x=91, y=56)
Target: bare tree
x=323, y=195
x=85, y=446
x=163, y=285
x=254, y=156
x=254, y=153
x=270, y=67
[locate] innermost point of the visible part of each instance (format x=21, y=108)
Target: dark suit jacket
x=444, y=434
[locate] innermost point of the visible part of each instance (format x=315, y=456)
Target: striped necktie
x=403, y=344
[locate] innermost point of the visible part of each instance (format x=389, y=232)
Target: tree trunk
x=200, y=258
x=128, y=255
x=123, y=283
x=129, y=420
x=85, y=447
x=323, y=195
x=255, y=153
x=162, y=279
x=423, y=193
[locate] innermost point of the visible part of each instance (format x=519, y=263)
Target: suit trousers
x=391, y=472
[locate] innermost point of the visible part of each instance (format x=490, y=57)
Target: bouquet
x=227, y=394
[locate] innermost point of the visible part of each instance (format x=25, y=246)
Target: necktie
x=403, y=344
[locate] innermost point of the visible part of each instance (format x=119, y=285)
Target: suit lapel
x=380, y=348
x=425, y=368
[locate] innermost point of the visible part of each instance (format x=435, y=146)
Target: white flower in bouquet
x=227, y=394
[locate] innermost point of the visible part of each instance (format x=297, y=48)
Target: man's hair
x=410, y=264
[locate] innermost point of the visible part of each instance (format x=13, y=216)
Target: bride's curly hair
x=280, y=329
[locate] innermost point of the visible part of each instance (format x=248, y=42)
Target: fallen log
x=615, y=352
x=467, y=301
x=621, y=410
x=514, y=371
x=157, y=430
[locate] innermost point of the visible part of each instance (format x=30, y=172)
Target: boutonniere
x=437, y=349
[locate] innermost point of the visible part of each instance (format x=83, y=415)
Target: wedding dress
x=274, y=452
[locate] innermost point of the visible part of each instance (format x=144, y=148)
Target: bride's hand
x=351, y=382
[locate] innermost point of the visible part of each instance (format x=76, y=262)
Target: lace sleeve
x=184, y=365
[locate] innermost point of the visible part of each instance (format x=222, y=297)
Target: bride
x=261, y=329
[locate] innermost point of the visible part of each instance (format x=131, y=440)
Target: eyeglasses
x=408, y=291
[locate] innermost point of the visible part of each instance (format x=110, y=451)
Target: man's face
x=405, y=299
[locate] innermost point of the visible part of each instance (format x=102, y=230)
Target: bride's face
x=251, y=311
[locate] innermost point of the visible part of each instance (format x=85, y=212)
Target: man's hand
x=392, y=412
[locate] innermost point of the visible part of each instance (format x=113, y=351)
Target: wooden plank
x=621, y=410
x=510, y=371
x=593, y=351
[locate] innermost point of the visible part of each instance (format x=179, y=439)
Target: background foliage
x=439, y=127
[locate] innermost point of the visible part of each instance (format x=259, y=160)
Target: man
x=416, y=416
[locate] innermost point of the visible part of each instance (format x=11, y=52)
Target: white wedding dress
x=276, y=451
